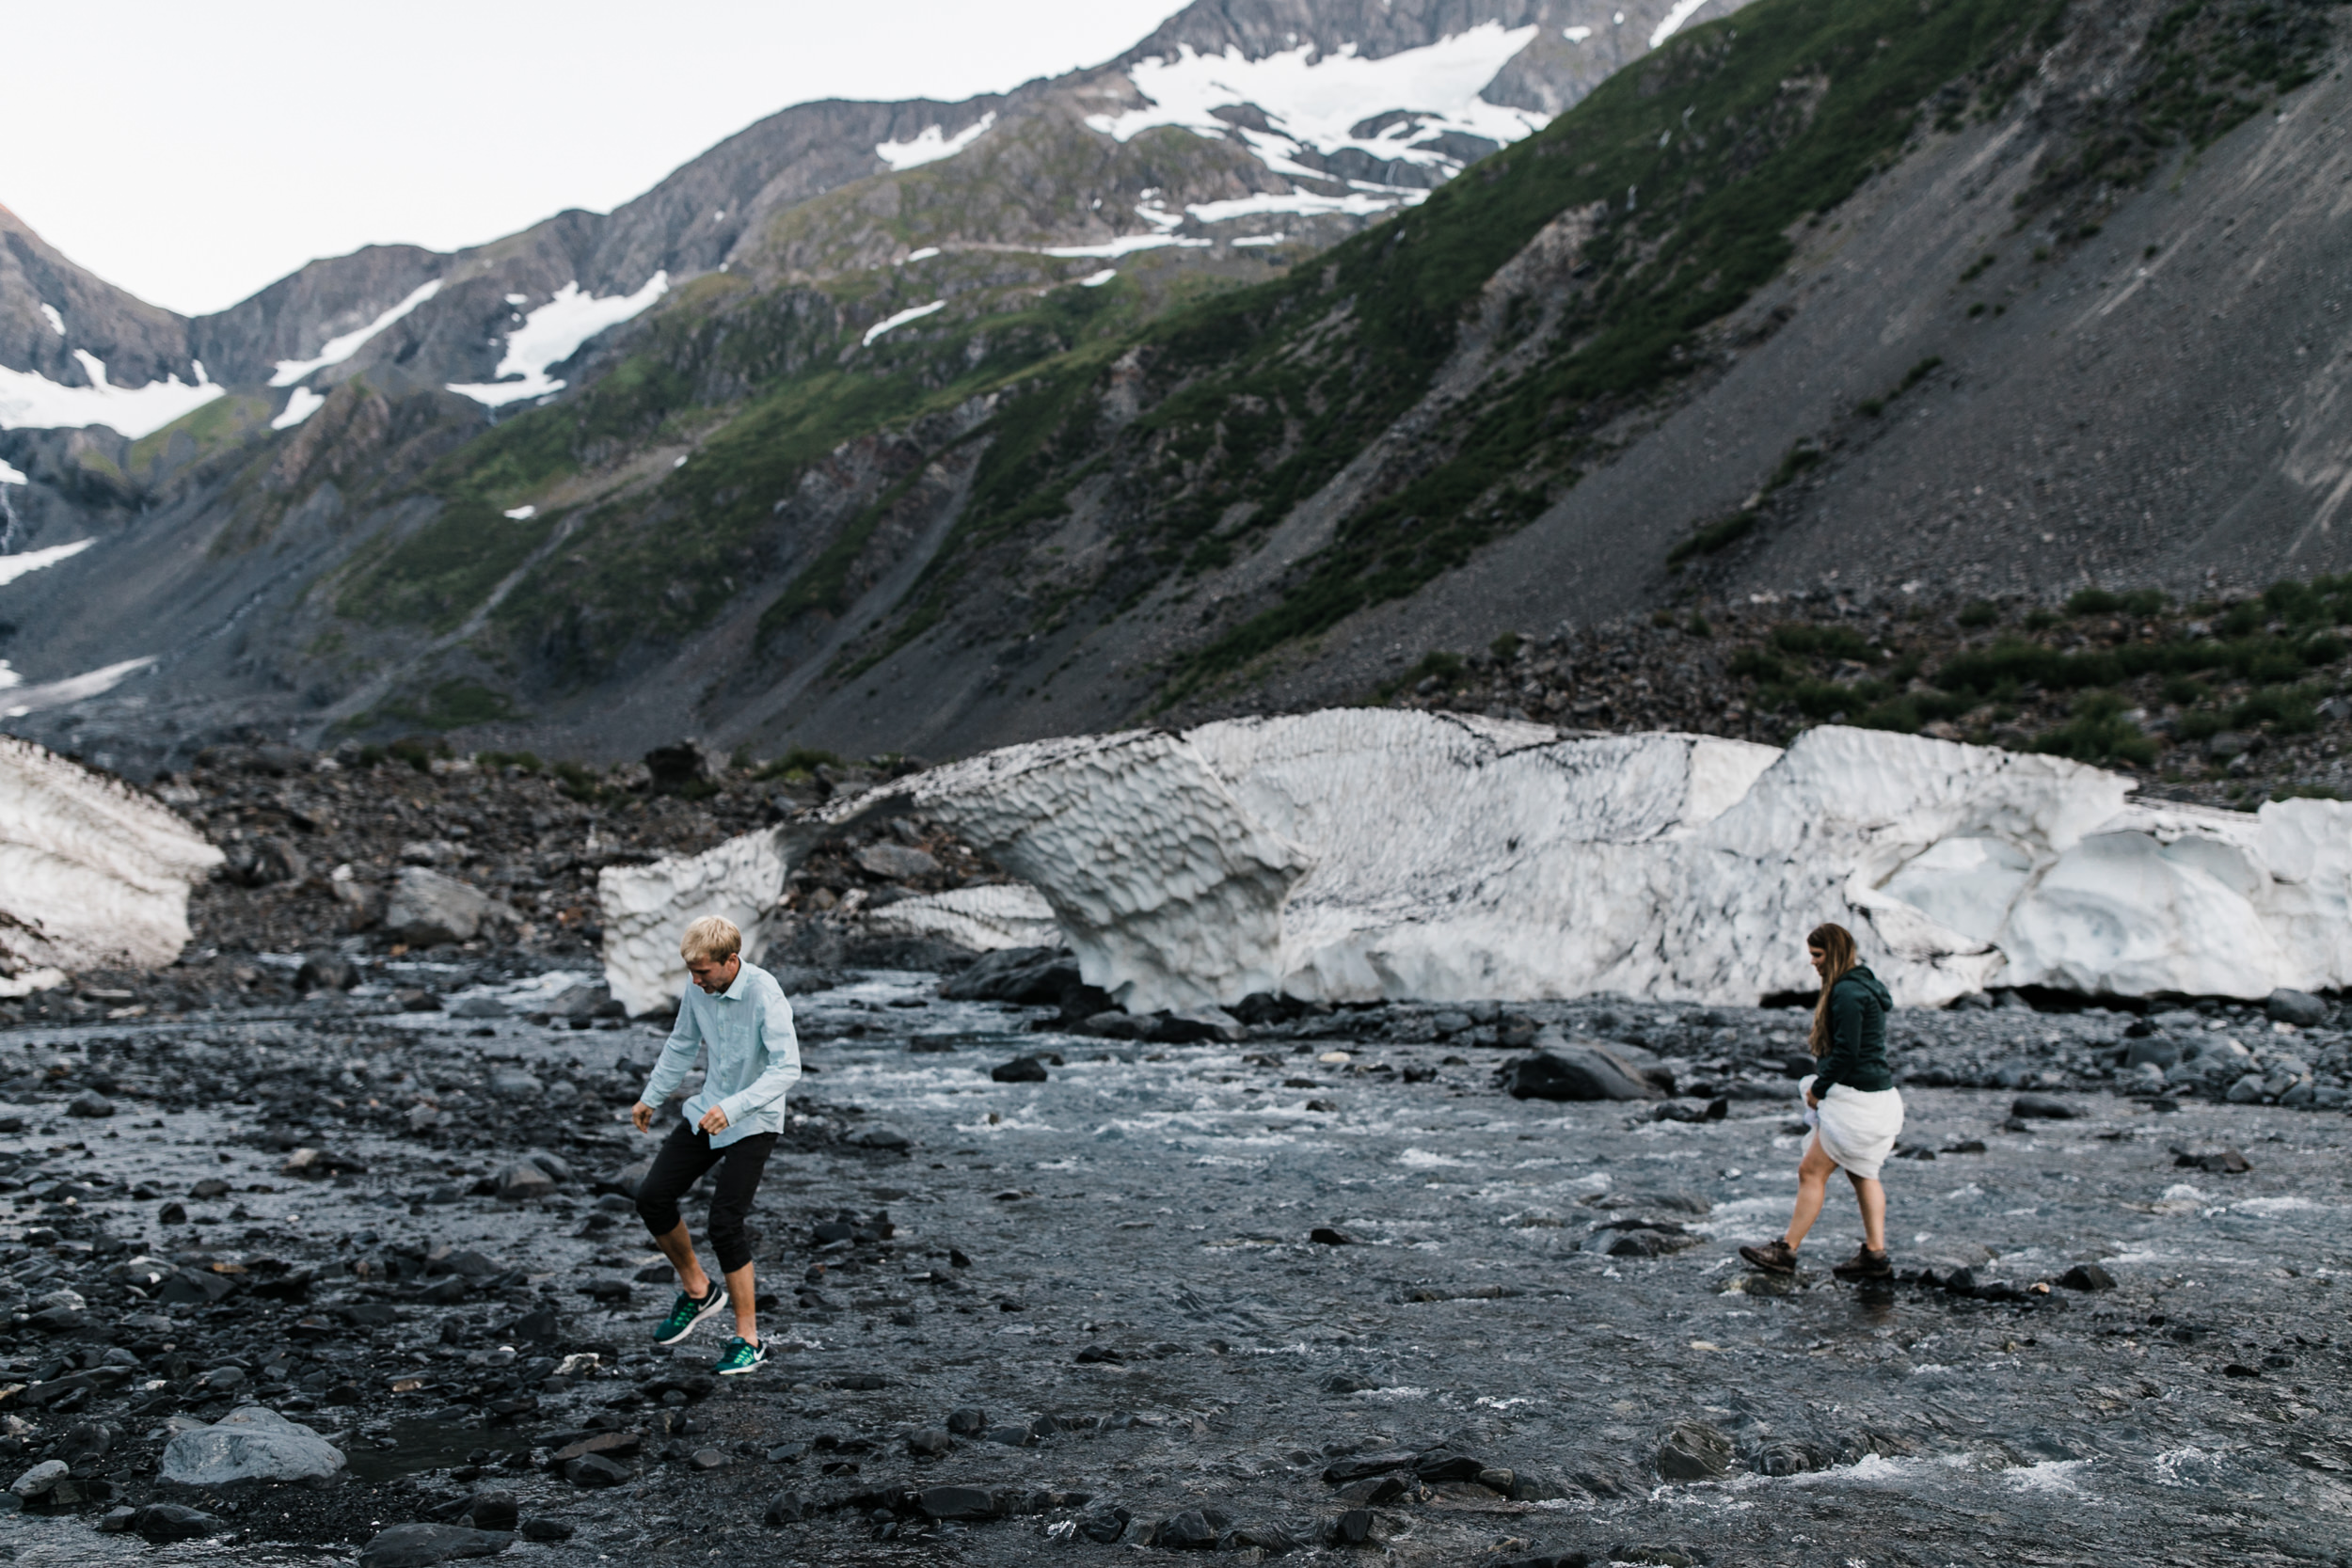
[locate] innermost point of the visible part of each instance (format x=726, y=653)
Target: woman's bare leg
x=1812, y=1188
x=1871, y=1195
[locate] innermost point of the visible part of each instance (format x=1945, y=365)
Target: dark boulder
x=1693, y=1451
x=1025, y=977
x=1579, y=1071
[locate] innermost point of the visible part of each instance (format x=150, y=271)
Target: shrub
x=1824, y=642
x=2098, y=732
x=1978, y=615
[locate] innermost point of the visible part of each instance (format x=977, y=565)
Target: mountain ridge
x=889, y=498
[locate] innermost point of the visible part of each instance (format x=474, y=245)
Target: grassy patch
x=438, y=575
x=449, y=705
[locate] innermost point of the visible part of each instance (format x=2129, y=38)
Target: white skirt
x=1857, y=1130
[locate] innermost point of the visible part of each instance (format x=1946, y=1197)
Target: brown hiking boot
x=1773, y=1257
x=1864, y=1264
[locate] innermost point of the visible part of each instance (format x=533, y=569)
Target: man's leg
x=746, y=1160
x=680, y=1162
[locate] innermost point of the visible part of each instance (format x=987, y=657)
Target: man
x=739, y=1014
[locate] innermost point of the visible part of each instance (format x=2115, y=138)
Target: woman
x=1851, y=1104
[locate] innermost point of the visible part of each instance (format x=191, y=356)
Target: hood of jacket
x=1860, y=975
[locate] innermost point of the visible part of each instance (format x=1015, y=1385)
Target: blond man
x=737, y=1014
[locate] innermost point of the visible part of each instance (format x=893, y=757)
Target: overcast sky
x=193, y=153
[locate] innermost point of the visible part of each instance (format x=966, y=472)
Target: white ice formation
x=1359, y=854
x=93, y=873
x=648, y=909
x=552, y=334
x=981, y=919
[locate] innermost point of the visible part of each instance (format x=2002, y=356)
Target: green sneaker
x=742, y=1356
x=688, y=1313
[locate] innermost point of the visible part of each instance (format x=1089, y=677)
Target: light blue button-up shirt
x=753, y=1055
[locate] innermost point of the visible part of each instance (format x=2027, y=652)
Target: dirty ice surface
x=1124, y=1248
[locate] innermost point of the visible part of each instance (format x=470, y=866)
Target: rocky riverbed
x=1328, y=1288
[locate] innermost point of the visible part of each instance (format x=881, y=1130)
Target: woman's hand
x=1812, y=1101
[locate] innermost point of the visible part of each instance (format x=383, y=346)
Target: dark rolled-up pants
x=685, y=1154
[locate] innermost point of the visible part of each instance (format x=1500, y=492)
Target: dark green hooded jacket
x=1858, y=1006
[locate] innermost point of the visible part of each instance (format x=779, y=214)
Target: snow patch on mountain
x=1305, y=204
x=74, y=688
x=93, y=873
x=30, y=401
x=57, y=321
x=300, y=404
x=11, y=474
x=913, y=313
x=340, y=349
x=1315, y=100
x=552, y=334
x=15, y=566
x=931, y=145
x=1126, y=244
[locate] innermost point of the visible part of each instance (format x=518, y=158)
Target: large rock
x=426, y=908
x=2298, y=1007
x=1025, y=977
x=1579, y=1070
x=162, y=1522
x=254, y=1443
x=422, y=1546
x=93, y=874
x=1693, y=1451
x=896, y=862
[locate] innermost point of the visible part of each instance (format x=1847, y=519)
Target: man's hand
x=714, y=1121
x=641, y=1117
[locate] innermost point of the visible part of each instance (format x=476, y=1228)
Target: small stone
x=1264, y=1534
x=879, y=1136
x=248, y=1444
x=1693, y=1451
x=522, y=1181
x=159, y=1522
x=1187, y=1531
x=2087, y=1277
x=116, y=1520
x=1357, y=1527
x=545, y=1530
x=2041, y=1107
x=708, y=1459
x=89, y=1102
x=786, y=1507
x=326, y=971
x=2298, y=1007
x=1021, y=1070
x=2219, y=1162
x=956, y=1502
x=594, y=1469
x=928, y=1442
x=1578, y=1072
x=40, y=1479
x=422, y=1546
x=495, y=1510
x=967, y=1423
x=482, y=1007
x=1323, y=1235
x=606, y=1444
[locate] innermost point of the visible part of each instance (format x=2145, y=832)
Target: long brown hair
x=1837, y=946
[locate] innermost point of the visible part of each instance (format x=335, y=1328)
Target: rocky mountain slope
x=1022, y=416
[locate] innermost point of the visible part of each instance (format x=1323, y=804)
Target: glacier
x=93, y=873
x=1366, y=854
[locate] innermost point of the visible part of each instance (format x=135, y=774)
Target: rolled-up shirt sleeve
x=677, y=1056
x=782, y=1044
